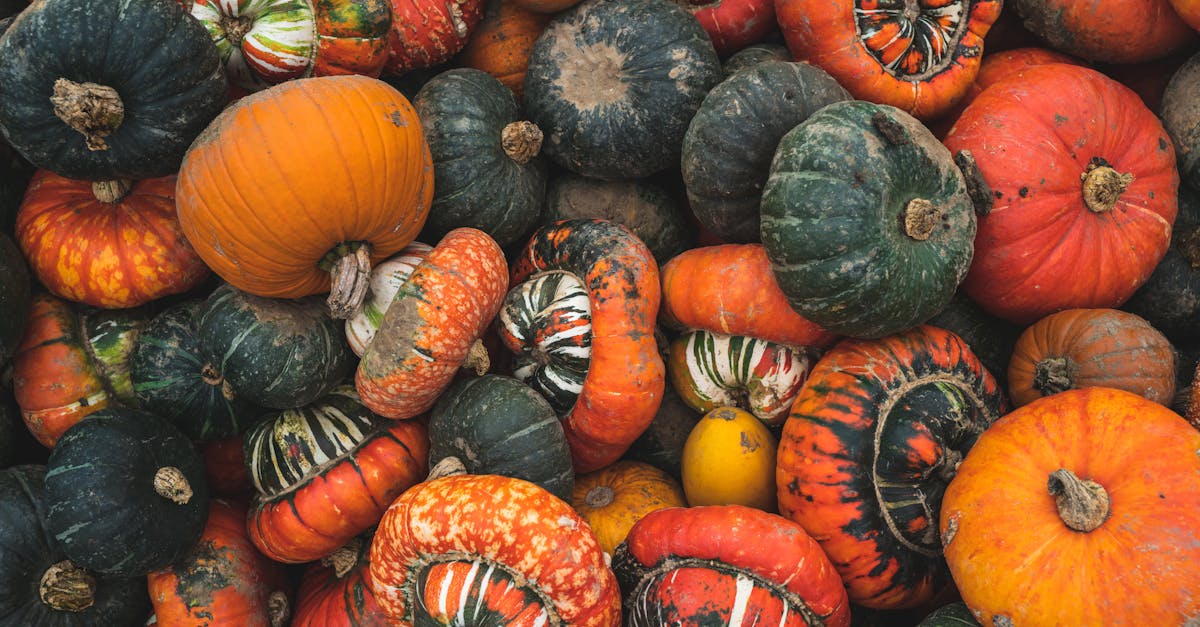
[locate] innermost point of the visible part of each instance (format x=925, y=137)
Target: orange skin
x=1188, y=11
x=636, y=490
x=1117, y=31
x=734, y=24
x=351, y=38
x=324, y=600
x=501, y=44
x=729, y=289
x=425, y=34
x=1011, y=553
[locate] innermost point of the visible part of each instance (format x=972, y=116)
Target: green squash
x=754, y=54
x=992, y=339
x=498, y=426
x=15, y=286
x=953, y=615
x=487, y=174
x=277, y=353
x=866, y=220
x=126, y=493
x=1170, y=299
x=661, y=444
x=729, y=144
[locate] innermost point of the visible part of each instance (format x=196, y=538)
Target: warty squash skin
x=426, y=33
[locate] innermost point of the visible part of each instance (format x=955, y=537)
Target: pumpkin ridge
x=517, y=578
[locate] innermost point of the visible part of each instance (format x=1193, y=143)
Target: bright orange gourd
x=501, y=43
x=613, y=499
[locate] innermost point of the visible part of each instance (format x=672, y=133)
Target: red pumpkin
x=426, y=33
x=337, y=592
x=733, y=24
x=1113, y=31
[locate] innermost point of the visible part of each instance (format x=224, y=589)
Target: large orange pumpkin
x=310, y=181
x=1078, y=509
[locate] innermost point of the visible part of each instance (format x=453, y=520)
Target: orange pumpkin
x=1078, y=509
x=1113, y=31
x=613, y=499
x=501, y=43
x=303, y=186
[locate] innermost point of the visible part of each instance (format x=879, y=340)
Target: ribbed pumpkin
x=1069, y=491
x=502, y=42
x=338, y=177
x=426, y=33
x=868, y=450
x=1115, y=32
x=337, y=592
x=613, y=499
x=15, y=295
x=386, y=279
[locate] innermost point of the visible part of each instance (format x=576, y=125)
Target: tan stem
x=235, y=28
x=67, y=587
x=599, y=496
x=949, y=466
x=477, y=359
x=454, y=8
x=521, y=141
x=278, y=610
x=1188, y=245
x=447, y=467
x=170, y=483
x=920, y=217
x=210, y=375
x=344, y=559
x=1082, y=505
x=112, y=191
x=349, y=279
x=977, y=187
x=1103, y=186
x=1052, y=375
x=94, y=110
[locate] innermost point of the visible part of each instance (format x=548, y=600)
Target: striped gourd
x=547, y=322
x=261, y=42
x=386, y=279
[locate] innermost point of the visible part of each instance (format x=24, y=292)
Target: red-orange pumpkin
x=337, y=592
x=426, y=33
x=733, y=24
x=502, y=42
x=1114, y=31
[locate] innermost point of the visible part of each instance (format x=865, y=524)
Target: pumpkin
x=114, y=244
x=325, y=473
x=135, y=508
x=426, y=33
x=38, y=584
x=953, y=615
x=625, y=376
x=487, y=174
x=729, y=144
x=614, y=84
x=867, y=452
x=474, y=535
x=661, y=444
x=1081, y=196
x=297, y=225
x=265, y=42
x=502, y=42
x=990, y=338
x=225, y=467
x=386, y=279
x=434, y=325
x=1113, y=32
x=222, y=579
x=1182, y=120
x=123, y=110
x=336, y=591
x=866, y=220
x=754, y=54
x=918, y=56
x=497, y=426
x=1170, y=299
x=15, y=295
x=611, y=500
x=1089, y=471
x=733, y=24
x=726, y=564
x=72, y=363
x=1080, y=348
x=729, y=459
x=177, y=376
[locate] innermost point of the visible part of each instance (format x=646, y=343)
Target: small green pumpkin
x=15, y=297
x=953, y=615
x=1170, y=299
x=754, y=54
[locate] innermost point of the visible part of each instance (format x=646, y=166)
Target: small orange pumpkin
x=501, y=43
x=613, y=499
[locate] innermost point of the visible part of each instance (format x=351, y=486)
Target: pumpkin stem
x=235, y=28
x=93, y=110
x=170, y=483
x=1052, y=375
x=522, y=140
x=278, y=611
x=67, y=587
x=454, y=8
x=210, y=375
x=920, y=216
x=112, y=191
x=891, y=130
x=1082, y=505
x=1188, y=245
x=477, y=359
x=447, y=467
x=599, y=496
x=977, y=187
x=1102, y=185
x=350, y=276
x=344, y=559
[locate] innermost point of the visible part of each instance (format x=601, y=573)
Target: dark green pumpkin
x=866, y=220
x=613, y=85
x=752, y=55
x=126, y=492
x=645, y=207
x=953, y=615
x=29, y=554
x=1181, y=118
x=661, y=444
x=990, y=338
x=499, y=426
x=277, y=353
x=14, y=297
x=487, y=174
x=1170, y=299
x=177, y=377
x=153, y=65
x=728, y=147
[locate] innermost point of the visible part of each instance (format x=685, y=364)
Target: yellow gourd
x=611, y=500
x=729, y=458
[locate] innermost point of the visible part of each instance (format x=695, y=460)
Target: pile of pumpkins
x=599, y=312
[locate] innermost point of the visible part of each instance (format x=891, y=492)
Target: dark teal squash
x=29, y=555
x=1170, y=299
x=276, y=353
x=728, y=147
x=126, y=492
x=614, y=84
x=177, y=377
x=148, y=72
x=661, y=444
x=487, y=174
x=866, y=220
x=953, y=615
x=499, y=426
x=1181, y=118
x=990, y=338
x=754, y=54
x=14, y=297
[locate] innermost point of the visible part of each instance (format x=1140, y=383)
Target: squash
x=730, y=142
x=274, y=353
x=426, y=33
x=497, y=426
x=135, y=507
x=611, y=500
x=337, y=592
x=625, y=375
x=1081, y=348
x=325, y=473
x=115, y=244
x=729, y=459
x=918, y=56
x=507, y=567
x=15, y=297
x=123, y=110
x=487, y=173
x=723, y=564
x=223, y=579
x=754, y=54
x=1106, y=483
x=1112, y=32
x=870, y=445
x=733, y=24
x=990, y=338
x=297, y=225
x=386, y=279
x=502, y=42
x=866, y=220
x=1078, y=225
x=1170, y=299
x=661, y=444
x=1182, y=120
x=433, y=326
x=953, y=615
x=614, y=84
x=14, y=178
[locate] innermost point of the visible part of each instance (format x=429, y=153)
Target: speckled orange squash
x=613, y=499
x=1078, y=509
x=502, y=42
x=426, y=33
x=337, y=592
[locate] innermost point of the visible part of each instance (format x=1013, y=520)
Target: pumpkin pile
x=599, y=312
